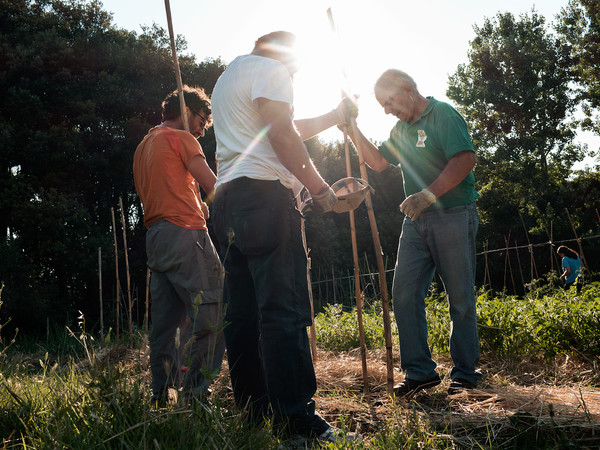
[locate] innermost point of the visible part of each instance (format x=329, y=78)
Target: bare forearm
x=373, y=157
x=288, y=146
x=202, y=173
x=292, y=153
x=455, y=171
x=308, y=128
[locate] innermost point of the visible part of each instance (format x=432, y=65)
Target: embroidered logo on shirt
x=422, y=138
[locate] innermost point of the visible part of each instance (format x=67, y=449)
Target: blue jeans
x=442, y=240
x=267, y=303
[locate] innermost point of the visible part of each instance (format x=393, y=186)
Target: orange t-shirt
x=162, y=180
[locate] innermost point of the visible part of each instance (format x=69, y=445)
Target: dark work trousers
x=267, y=302
x=186, y=291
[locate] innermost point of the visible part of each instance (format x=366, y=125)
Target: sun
x=332, y=63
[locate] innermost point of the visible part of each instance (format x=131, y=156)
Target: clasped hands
x=346, y=111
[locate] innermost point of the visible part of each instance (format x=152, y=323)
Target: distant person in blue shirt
x=571, y=267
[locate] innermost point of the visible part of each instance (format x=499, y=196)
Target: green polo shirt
x=423, y=148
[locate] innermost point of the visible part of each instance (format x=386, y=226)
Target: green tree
x=514, y=92
x=579, y=25
x=79, y=95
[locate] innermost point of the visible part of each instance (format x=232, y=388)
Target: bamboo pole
x=129, y=302
x=147, y=311
x=376, y=241
x=382, y=278
x=532, y=266
x=578, y=241
x=551, y=250
x=487, y=268
x=520, y=268
x=357, y=291
x=507, y=240
x=505, y=267
x=333, y=284
x=112, y=212
x=176, y=67
x=100, y=296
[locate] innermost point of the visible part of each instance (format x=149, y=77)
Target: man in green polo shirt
x=431, y=144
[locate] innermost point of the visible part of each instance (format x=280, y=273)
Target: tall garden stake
x=100, y=295
x=357, y=290
x=578, y=241
x=380, y=268
x=146, y=313
x=112, y=212
x=129, y=303
x=176, y=67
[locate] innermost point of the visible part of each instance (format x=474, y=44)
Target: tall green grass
x=78, y=400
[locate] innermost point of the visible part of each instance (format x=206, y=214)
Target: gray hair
x=393, y=79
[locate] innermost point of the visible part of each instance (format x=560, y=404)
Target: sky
x=427, y=38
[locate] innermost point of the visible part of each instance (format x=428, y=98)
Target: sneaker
x=459, y=385
x=336, y=436
x=411, y=387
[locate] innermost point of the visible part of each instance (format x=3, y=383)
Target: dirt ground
x=513, y=396
x=564, y=393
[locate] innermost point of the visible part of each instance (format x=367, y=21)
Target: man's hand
x=414, y=205
x=346, y=111
x=204, y=208
x=324, y=201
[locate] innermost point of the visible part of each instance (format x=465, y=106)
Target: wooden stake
x=507, y=240
x=112, y=212
x=147, y=313
x=357, y=290
x=487, y=269
x=533, y=267
x=176, y=68
x=129, y=303
x=578, y=241
x=100, y=295
x=520, y=268
x=387, y=329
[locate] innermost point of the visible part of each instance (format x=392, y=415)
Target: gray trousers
x=187, y=308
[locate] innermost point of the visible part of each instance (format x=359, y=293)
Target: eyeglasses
x=203, y=119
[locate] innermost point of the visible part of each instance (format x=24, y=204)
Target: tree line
x=79, y=94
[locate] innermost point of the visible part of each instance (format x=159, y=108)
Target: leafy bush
x=337, y=330
x=544, y=323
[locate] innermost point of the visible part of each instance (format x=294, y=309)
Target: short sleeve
x=273, y=82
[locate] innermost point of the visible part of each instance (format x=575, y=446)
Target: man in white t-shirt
x=262, y=166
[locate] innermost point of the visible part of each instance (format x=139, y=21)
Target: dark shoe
x=459, y=385
x=411, y=387
x=158, y=401
x=331, y=435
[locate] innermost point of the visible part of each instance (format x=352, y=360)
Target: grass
x=540, y=387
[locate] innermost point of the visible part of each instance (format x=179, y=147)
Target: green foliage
x=545, y=323
x=579, y=25
x=337, y=330
x=541, y=324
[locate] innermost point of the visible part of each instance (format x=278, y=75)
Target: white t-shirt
x=243, y=148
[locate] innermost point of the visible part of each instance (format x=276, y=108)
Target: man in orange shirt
x=186, y=282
